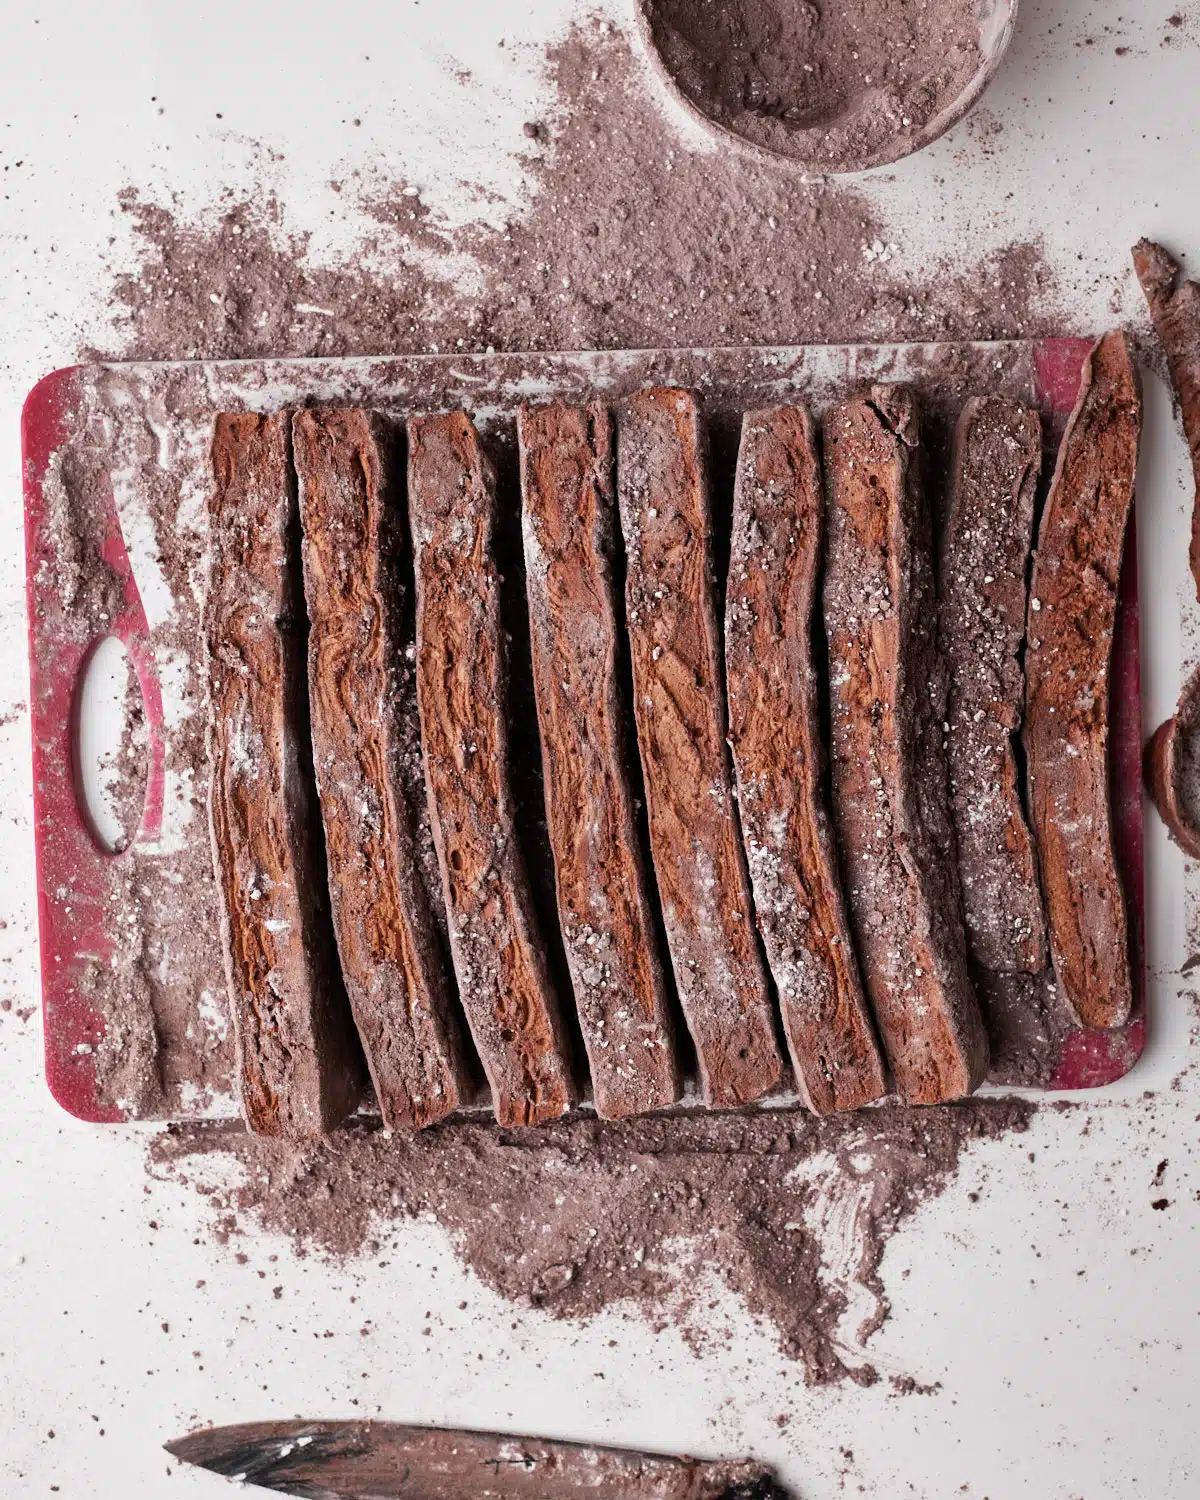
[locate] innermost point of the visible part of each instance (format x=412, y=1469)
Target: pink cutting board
x=75, y=912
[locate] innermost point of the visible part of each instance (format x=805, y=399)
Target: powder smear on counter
x=628, y=239
x=789, y=1212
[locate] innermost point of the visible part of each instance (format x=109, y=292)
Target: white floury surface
x=1060, y=1312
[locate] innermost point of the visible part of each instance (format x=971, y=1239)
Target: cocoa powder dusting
x=629, y=239
x=582, y=1216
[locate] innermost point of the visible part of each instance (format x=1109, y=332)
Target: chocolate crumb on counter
x=607, y=921
x=298, y=1061
x=890, y=796
x=1073, y=606
x=360, y=694
x=1175, y=311
x=462, y=678
x=981, y=627
x=679, y=706
x=779, y=759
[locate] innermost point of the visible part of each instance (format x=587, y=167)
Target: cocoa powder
x=840, y=84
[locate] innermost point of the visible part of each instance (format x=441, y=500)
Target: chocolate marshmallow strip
x=462, y=677
x=298, y=1061
x=778, y=513
x=1174, y=305
x=361, y=693
x=890, y=798
x=1073, y=606
x=981, y=624
x=603, y=906
x=679, y=705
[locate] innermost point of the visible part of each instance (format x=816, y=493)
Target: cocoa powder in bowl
x=839, y=85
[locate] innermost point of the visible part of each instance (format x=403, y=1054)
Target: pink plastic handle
x=74, y=873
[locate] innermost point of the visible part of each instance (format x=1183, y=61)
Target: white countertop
x=1060, y=1315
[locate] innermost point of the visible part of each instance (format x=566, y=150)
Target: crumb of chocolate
x=905, y=1385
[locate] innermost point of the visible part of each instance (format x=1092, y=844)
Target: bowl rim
x=894, y=149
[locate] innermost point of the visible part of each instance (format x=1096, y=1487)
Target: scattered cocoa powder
x=582, y=1216
x=630, y=240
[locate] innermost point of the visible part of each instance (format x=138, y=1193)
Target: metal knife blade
x=386, y=1461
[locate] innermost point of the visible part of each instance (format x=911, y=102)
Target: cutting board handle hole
x=110, y=738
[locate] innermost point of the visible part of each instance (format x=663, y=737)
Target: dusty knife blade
x=386, y=1461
